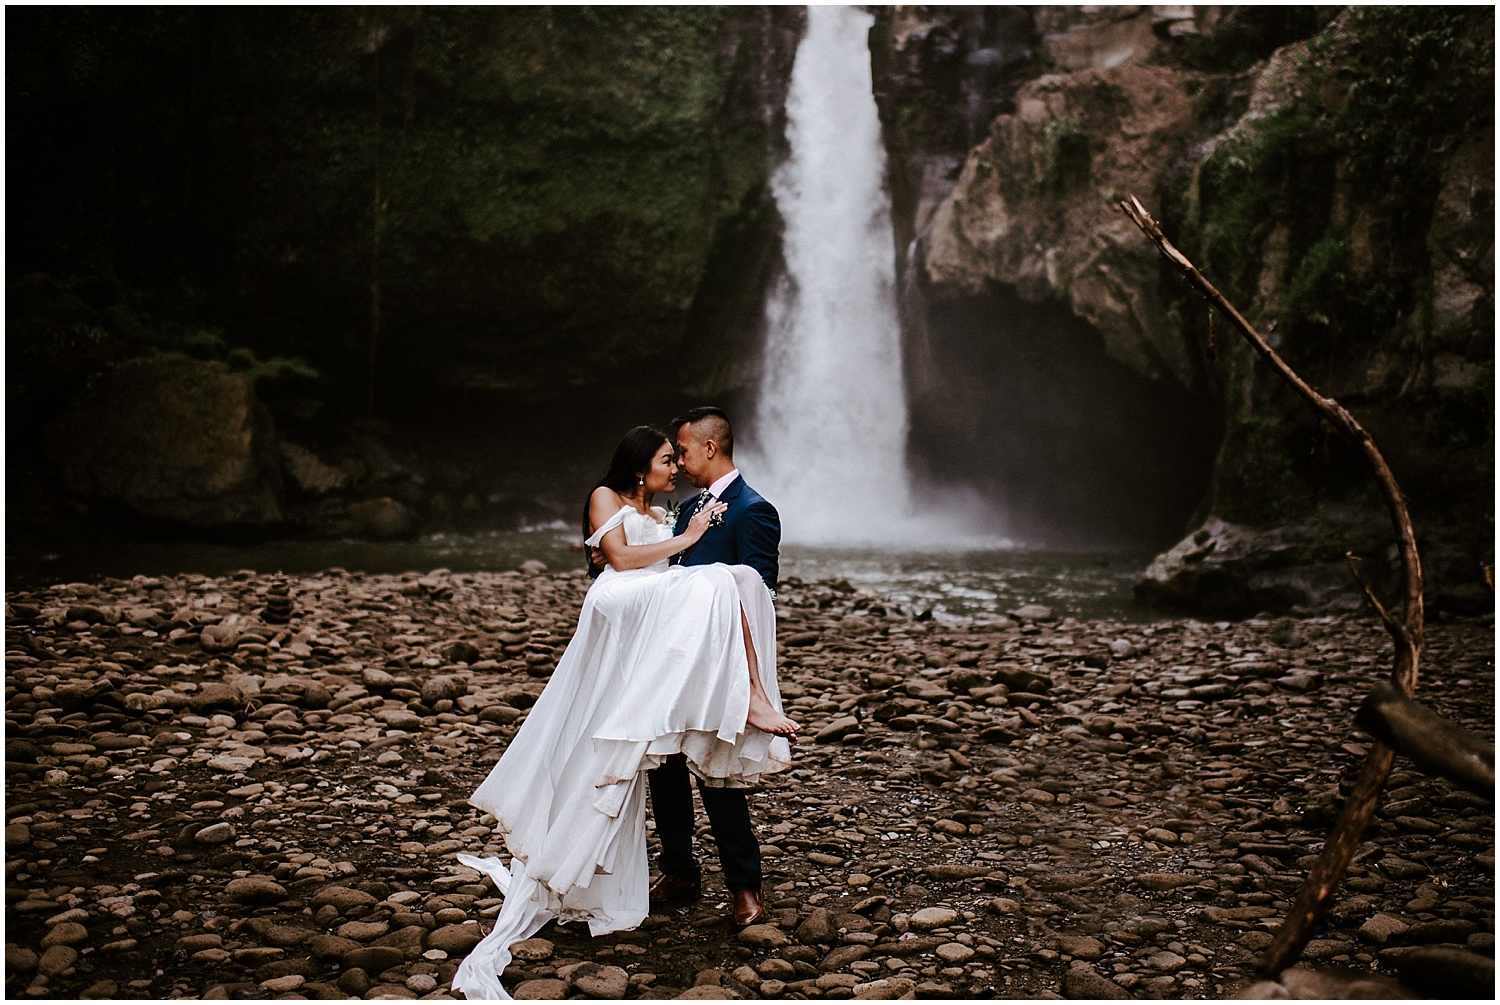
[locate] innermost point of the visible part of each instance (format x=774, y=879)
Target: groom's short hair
x=715, y=426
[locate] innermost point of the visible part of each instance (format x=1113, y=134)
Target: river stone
x=56, y=959
x=600, y=981
x=776, y=969
x=66, y=934
x=885, y=989
x=290, y=982
x=254, y=890
x=343, y=898
x=952, y=871
x=411, y=940
x=932, y=917
x=212, y=696
x=954, y=952
x=763, y=936
x=818, y=928
x=216, y=833
x=843, y=956
x=837, y=729
x=279, y=935
x=18, y=958
x=1163, y=881
x=440, y=688
x=532, y=950
x=1033, y=612
x=175, y=439
x=1165, y=961
x=1381, y=928
x=546, y=989
x=1082, y=946
x=331, y=947
x=1085, y=982
x=372, y=959
x=456, y=939
x=363, y=931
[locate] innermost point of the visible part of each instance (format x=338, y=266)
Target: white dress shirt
x=717, y=488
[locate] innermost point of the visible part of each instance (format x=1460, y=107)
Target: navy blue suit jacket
x=750, y=535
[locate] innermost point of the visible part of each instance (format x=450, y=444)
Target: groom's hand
x=596, y=555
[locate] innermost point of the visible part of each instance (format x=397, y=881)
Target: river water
x=952, y=584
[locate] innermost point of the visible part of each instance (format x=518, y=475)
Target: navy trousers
x=728, y=816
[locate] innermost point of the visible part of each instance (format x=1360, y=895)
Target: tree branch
x=1292, y=937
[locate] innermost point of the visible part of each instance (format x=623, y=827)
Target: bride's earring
x=641, y=481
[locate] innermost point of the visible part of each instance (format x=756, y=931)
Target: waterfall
x=828, y=439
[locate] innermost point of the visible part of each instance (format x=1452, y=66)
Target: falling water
x=829, y=436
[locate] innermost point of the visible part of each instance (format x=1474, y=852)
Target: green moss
x=1345, y=173
x=1064, y=160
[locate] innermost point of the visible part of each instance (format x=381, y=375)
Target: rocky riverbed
x=254, y=787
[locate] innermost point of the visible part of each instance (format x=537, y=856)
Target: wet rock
x=838, y=729
x=254, y=890
x=68, y=933
x=544, y=989
x=817, y=928
x=216, y=833
x=763, y=936
x=373, y=959
x=443, y=688
x=456, y=939
x=533, y=950
x=885, y=989
x=929, y=918
x=1083, y=982
x=19, y=958
x=1082, y=946
x=56, y=959
x=600, y=981
x=461, y=652
x=1381, y=928
x=172, y=439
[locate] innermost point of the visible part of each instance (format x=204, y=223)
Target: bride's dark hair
x=634, y=454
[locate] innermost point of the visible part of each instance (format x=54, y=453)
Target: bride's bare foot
x=762, y=716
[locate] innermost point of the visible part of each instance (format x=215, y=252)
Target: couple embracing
x=671, y=674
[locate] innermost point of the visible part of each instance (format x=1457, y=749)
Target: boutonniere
x=674, y=510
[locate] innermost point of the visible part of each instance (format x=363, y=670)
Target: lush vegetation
x=1315, y=217
x=467, y=195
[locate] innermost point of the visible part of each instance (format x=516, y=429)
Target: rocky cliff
x=1331, y=171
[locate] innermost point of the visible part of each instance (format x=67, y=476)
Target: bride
x=666, y=660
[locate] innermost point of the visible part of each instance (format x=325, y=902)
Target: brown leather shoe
x=748, y=909
x=669, y=888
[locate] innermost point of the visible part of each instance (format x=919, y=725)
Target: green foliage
x=1345, y=173
x=1320, y=278
x=1065, y=153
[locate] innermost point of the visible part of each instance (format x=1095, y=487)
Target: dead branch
x=1385, y=615
x=1292, y=937
x=1436, y=744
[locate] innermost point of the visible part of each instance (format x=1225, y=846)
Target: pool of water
x=949, y=583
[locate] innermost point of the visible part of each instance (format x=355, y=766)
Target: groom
x=750, y=535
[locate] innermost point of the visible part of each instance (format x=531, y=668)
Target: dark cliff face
x=1331, y=172
x=490, y=198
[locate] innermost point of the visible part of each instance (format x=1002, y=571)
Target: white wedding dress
x=657, y=667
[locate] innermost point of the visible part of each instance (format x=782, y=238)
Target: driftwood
x=1440, y=746
x=1292, y=937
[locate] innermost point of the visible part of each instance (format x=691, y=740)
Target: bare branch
x=1325, y=874
x=1430, y=740
x=1385, y=615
